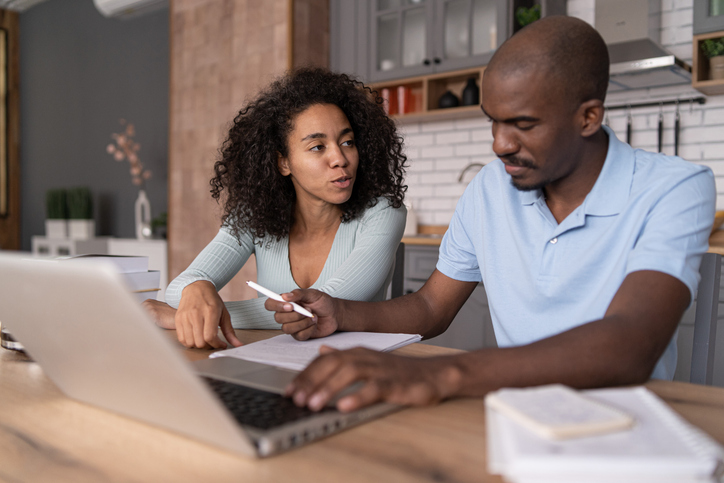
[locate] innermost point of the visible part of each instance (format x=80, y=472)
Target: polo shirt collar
x=610, y=193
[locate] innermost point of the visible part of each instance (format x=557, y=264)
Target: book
x=123, y=263
x=138, y=281
x=556, y=411
x=289, y=353
x=660, y=447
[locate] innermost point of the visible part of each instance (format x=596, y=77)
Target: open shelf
x=701, y=78
x=415, y=99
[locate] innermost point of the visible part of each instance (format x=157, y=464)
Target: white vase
x=81, y=229
x=143, y=216
x=56, y=229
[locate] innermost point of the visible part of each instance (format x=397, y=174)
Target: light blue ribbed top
x=359, y=265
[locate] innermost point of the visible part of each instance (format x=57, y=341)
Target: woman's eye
x=349, y=142
x=318, y=147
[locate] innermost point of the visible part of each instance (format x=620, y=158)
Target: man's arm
x=427, y=312
x=621, y=348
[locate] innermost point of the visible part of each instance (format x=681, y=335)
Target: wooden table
x=44, y=436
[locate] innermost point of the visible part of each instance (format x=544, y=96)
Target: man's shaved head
x=570, y=52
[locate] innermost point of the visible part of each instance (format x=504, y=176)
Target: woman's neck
x=315, y=219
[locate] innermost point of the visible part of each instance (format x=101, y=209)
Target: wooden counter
x=46, y=437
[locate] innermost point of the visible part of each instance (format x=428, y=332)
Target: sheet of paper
x=285, y=351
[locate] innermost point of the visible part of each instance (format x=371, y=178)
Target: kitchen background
x=439, y=151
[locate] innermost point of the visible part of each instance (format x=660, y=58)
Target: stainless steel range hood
x=631, y=29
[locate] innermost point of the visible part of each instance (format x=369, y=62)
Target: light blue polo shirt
x=646, y=211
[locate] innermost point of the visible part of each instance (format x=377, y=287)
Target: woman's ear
x=283, y=165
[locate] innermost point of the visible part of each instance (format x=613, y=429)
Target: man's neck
x=568, y=193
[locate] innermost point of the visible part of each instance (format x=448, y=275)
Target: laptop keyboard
x=256, y=408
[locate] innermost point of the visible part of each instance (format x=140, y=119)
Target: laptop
x=98, y=345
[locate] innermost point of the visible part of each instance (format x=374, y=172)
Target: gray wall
x=79, y=74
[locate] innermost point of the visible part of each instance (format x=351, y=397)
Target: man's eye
x=524, y=126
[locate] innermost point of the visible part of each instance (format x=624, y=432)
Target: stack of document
x=659, y=446
x=289, y=353
x=142, y=282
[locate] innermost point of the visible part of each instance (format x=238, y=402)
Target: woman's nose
x=338, y=158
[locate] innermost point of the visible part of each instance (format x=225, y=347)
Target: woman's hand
x=200, y=315
x=161, y=313
x=324, y=308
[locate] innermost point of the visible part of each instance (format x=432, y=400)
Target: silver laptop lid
x=94, y=341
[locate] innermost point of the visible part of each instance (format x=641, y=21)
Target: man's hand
x=200, y=315
x=385, y=377
x=324, y=308
x=161, y=313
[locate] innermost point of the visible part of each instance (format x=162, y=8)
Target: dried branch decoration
x=124, y=147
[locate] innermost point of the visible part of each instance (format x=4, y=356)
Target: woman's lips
x=342, y=182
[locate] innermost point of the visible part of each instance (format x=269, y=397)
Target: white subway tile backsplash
x=437, y=152
x=485, y=134
x=476, y=149
x=437, y=126
x=419, y=140
x=454, y=137
x=475, y=122
x=421, y=166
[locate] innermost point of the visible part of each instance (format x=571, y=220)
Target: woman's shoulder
x=385, y=209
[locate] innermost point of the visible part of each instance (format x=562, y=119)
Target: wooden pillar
x=222, y=53
x=10, y=127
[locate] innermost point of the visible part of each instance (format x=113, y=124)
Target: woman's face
x=322, y=160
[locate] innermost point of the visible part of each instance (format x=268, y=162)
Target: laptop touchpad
x=252, y=374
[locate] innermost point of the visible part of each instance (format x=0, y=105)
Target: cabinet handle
x=426, y=61
x=436, y=60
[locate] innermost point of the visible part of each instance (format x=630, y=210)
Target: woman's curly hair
x=258, y=199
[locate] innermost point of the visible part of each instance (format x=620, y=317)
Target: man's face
x=533, y=128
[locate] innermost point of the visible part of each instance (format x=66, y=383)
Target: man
x=589, y=250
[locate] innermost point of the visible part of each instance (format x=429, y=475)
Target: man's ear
x=590, y=114
x=283, y=165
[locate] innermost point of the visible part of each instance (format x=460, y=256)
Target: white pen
x=272, y=295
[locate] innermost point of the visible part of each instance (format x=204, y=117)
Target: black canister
x=471, y=93
x=448, y=100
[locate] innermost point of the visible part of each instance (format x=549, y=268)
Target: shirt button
x=554, y=240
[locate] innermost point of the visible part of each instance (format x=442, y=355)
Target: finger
x=197, y=329
x=346, y=374
x=294, y=328
x=210, y=329
x=325, y=349
x=228, y=330
x=276, y=306
x=179, y=330
x=370, y=393
x=306, y=381
x=291, y=317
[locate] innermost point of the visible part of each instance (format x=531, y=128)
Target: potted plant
x=81, y=225
x=713, y=49
x=56, y=214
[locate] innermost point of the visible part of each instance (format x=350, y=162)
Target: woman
x=311, y=180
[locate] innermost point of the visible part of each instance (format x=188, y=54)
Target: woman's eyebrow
x=315, y=135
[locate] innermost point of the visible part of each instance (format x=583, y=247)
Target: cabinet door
x=400, y=33
x=467, y=32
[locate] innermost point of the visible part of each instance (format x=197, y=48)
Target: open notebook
x=661, y=447
x=289, y=353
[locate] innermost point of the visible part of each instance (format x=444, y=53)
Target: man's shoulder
x=661, y=166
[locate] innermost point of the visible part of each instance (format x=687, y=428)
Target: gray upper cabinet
x=708, y=16
x=380, y=40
